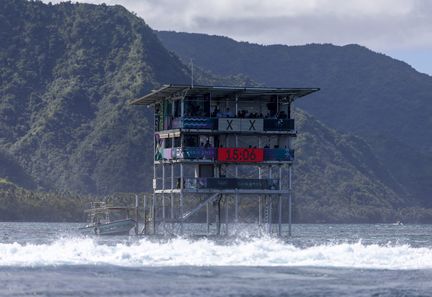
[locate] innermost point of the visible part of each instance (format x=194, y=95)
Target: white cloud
x=379, y=24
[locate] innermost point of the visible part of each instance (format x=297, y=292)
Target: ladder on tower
x=199, y=206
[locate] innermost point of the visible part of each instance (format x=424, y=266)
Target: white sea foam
x=256, y=252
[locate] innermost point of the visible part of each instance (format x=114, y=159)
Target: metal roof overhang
x=168, y=91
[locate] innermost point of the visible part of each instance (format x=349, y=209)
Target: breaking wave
x=204, y=252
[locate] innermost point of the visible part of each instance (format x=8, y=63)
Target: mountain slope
x=12, y=172
x=67, y=72
x=338, y=179
x=361, y=91
x=383, y=100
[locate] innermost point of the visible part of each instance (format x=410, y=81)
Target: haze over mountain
x=68, y=70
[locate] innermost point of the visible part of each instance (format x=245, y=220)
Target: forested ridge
x=384, y=101
x=67, y=132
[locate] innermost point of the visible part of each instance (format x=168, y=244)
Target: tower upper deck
x=229, y=124
x=221, y=110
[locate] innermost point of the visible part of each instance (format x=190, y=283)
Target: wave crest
x=204, y=252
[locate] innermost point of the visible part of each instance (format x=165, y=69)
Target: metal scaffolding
x=213, y=165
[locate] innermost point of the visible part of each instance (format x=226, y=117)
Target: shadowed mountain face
x=12, y=173
x=66, y=73
x=361, y=91
x=68, y=70
x=383, y=100
x=338, y=178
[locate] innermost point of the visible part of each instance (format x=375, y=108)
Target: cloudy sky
x=399, y=28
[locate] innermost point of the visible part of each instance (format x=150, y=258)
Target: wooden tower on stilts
x=217, y=149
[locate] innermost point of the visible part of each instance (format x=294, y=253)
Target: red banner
x=240, y=154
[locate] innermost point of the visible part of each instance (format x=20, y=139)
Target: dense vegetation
x=67, y=72
x=12, y=172
x=18, y=204
x=383, y=100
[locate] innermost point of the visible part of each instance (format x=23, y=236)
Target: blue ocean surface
x=54, y=259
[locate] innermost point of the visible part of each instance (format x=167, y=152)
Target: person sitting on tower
x=229, y=113
x=215, y=111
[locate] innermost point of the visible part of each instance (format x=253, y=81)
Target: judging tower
x=219, y=150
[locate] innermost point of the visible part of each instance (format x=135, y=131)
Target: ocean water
x=50, y=259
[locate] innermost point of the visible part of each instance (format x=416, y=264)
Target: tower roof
x=167, y=91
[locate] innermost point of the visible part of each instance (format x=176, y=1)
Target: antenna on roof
x=192, y=80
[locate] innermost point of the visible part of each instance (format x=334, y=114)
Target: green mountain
x=383, y=100
x=11, y=172
x=337, y=178
x=19, y=204
x=67, y=72
x=361, y=91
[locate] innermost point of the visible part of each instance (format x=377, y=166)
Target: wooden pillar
x=226, y=215
x=163, y=194
x=290, y=201
x=260, y=211
x=236, y=208
x=270, y=214
x=236, y=202
x=181, y=173
x=154, y=213
x=172, y=183
x=280, y=216
x=181, y=198
x=270, y=205
x=208, y=218
x=154, y=181
x=172, y=194
x=260, y=197
x=218, y=216
x=136, y=214
x=280, y=203
x=145, y=214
